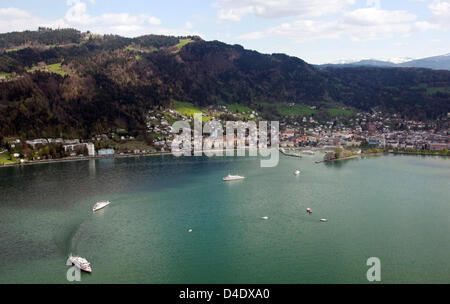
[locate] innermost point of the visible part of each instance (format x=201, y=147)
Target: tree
x=330, y=156
x=338, y=152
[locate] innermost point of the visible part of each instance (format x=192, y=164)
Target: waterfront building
x=106, y=152
x=91, y=149
x=438, y=146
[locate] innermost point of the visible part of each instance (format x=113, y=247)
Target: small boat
x=265, y=218
x=297, y=172
x=309, y=210
x=309, y=152
x=80, y=263
x=100, y=205
x=324, y=220
x=190, y=230
x=233, y=177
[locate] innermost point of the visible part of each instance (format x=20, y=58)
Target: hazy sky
x=318, y=31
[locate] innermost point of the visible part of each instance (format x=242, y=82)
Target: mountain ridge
x=440, y=62
x=83, y=84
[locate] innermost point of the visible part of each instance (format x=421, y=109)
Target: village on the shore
x=363, y=132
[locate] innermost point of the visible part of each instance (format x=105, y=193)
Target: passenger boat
x=100, y=205
x=80, y=263
x=233, y=177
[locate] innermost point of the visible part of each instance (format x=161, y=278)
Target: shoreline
x=82, y=158
x=114, y=156
x=85, y=158
x=337, y=159
x=417, y=153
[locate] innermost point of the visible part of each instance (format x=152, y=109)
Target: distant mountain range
x=436, y=63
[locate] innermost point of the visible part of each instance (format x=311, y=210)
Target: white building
x=91, y=149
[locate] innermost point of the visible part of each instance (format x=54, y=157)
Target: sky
x=318, y=31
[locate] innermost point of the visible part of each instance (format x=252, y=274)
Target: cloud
x=14, y=19
x=235, y=10
x=373, y=16
x=441, y=13
x=358, y=25
x=440, y=17
x=77, y=16
x=122, y=24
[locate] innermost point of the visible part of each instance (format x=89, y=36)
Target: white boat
x=233, y=177
x=309, y=152
x=80, y=263
x=265, y=218
x=100, y=205
x=324, y=220
x=297, y=172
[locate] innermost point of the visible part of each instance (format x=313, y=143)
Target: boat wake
x=68, y=238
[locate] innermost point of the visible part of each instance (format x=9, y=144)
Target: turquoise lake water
x=396, y=208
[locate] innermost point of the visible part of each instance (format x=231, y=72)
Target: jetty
x=336, y=159
x=289, y=154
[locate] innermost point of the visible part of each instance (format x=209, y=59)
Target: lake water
x=396, y=208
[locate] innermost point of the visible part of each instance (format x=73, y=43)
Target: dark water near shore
x=396, y=208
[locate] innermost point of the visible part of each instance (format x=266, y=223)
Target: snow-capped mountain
x=436, y=62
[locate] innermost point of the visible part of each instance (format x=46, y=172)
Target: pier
x=290, y=154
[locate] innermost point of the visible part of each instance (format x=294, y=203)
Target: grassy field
x=186, y=108
x=238, y=108
x=5, y=158
x=7, y=75
x=295, y=110
x=57, y=68
x=130, y=48
x=181, y=44
x=12, y=50
x=132, y=145
x=53, y=68
x=189, y=109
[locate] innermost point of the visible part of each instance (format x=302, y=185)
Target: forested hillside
x=64, y=82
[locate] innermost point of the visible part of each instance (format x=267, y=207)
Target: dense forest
x=67, y=83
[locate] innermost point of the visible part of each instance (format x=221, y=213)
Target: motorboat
x=309, y=210
x=265, y=218
x=233, y=177
x=297, y=172
x=80, y=263
x=324, y=220
x=100, y=205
